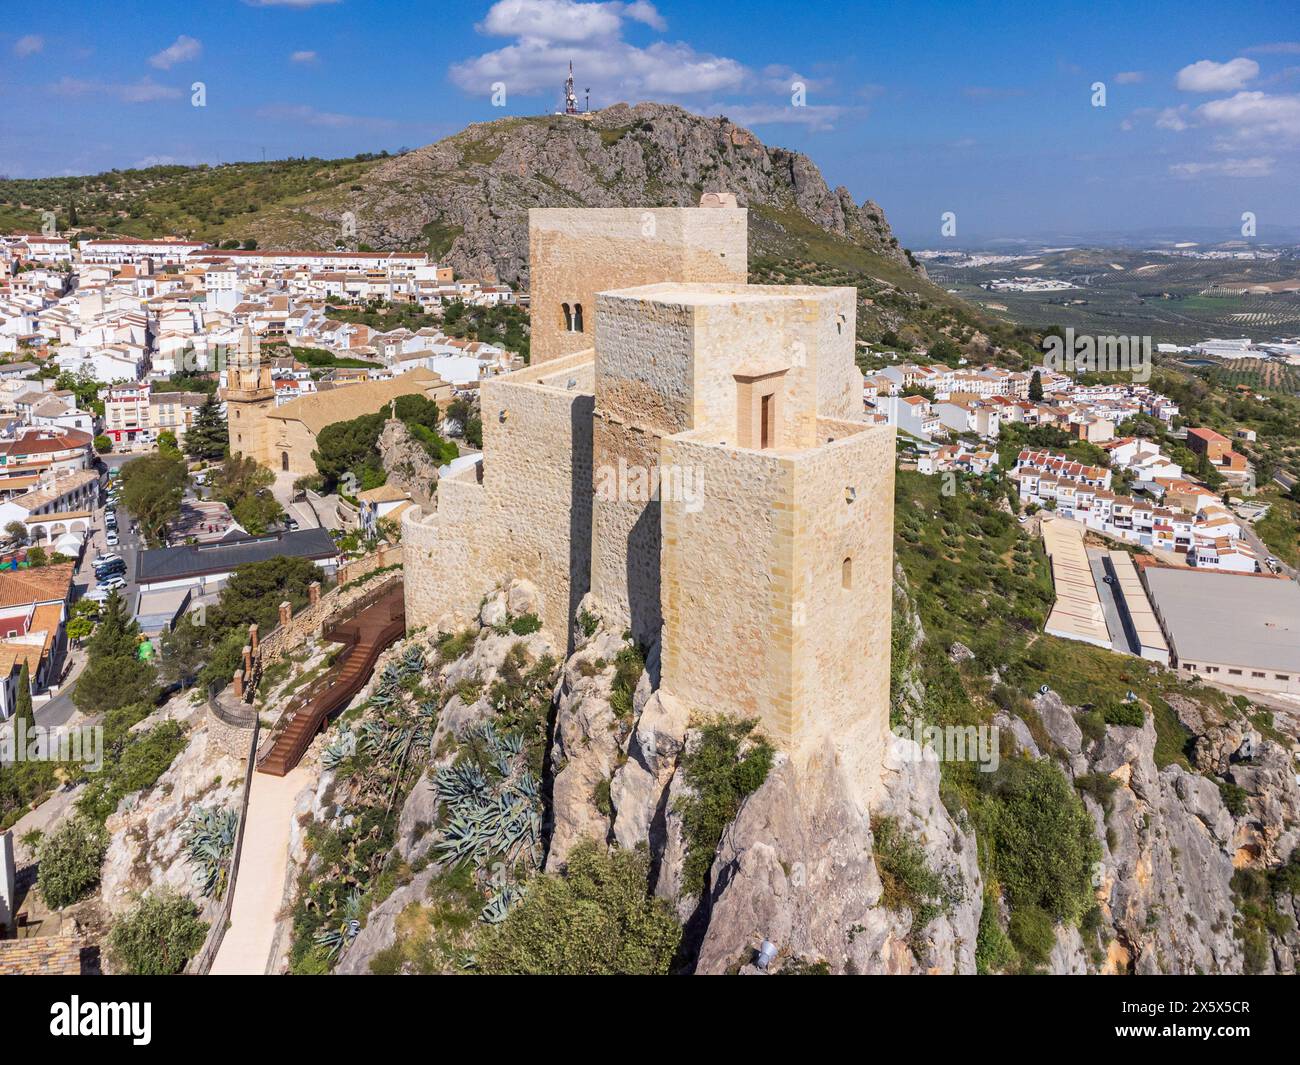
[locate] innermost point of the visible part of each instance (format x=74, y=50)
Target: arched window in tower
x=846, y=573
x=568, y=318
x=577, y=318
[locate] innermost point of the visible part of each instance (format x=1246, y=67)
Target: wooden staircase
x=374, y=623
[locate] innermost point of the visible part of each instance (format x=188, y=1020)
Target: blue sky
x=983, y=110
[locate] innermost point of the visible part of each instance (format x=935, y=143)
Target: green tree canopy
x=152, y=489
x=114, y=676
x=352, y=447
x=245, y=487
x=209, y=436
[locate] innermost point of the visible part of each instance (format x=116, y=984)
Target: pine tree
x=1036, y=387
x=209, y=436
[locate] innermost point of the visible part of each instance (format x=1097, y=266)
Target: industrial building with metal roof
x=1238, y=629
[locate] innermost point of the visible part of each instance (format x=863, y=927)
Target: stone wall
x=576, y=252
x=528, y=518
x=761, y=616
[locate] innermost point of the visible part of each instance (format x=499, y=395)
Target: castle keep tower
x=574, y=253
x=249, y=393
x=692, y=450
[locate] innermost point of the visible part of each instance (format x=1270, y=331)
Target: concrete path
x=259, y=889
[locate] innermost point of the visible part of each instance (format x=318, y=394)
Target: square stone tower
x=576, y=252
x=753, y=365
x=693, y=450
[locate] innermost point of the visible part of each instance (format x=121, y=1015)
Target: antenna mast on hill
x=570, y=97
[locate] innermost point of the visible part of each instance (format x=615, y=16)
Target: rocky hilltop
x=466, y=198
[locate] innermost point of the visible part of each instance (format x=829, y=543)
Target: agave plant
x=412, y=663
x=498, y=906
x=338, y=936
x=209, y=839
x=339, y=750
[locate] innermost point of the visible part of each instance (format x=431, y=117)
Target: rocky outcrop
x=146, y=848
x=467, y=197
x=797, y=868
x=409, y=466
x=1170, y=845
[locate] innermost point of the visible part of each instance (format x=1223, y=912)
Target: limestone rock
x=521, y=598
x=146, y=848
x=797, y=867
x=409, y=466
x=475, y=188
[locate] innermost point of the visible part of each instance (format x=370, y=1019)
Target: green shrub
x=993, y=950
x=1101, y=786
x=1034, y=933
x=908, y=881
x=602, y=799
x=720, y=778
x=135, y=764
x=70, y=859
x=588, y=622
x=1234, y=797
x=629, y=664
x=525, y=624
x=1044, y=846
x=158, y=937
x=452, y=645
x=596, y=919
x=1129, y=714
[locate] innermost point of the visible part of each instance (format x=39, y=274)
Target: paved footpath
x=263, y=862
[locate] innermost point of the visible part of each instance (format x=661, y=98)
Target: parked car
x=110, y=538
x=103, y=560
x=290, y=524
x=112, y=570
x=113, y=582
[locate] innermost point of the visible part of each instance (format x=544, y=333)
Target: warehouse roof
x=1228, y=618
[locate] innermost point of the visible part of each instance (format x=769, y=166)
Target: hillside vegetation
x=466, y=198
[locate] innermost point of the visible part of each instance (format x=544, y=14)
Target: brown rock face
x=466, y=198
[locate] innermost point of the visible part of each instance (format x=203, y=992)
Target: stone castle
x=690, y=452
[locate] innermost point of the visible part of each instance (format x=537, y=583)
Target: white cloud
x=309, y=116
x=1129, y=77
x=1257, y=167
x=181, y=50
x=144, y=91
x=645, y=13
x=1277, y=48
x=1172, y=118
x=1209, y=76
x=304, y=56
x=29, y=44
x=550, y=33
x=1250, y=117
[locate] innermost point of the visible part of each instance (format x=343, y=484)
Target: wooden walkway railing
x=374, y=622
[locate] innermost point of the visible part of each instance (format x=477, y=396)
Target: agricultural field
x=1260, y=375
x=1169, y=298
